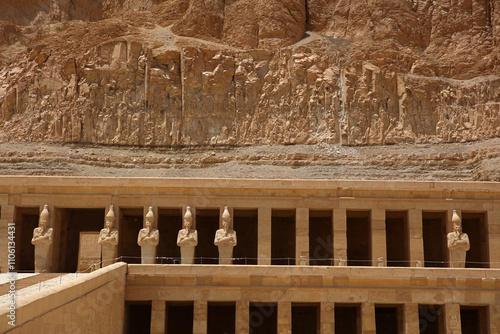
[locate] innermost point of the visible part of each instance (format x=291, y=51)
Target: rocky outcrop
x=190, y=72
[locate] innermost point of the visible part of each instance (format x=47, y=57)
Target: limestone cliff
x=243, y=72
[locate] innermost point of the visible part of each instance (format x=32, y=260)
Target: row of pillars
x=411, y=321
x=378, y=234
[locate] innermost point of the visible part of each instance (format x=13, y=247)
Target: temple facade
x=311, y=256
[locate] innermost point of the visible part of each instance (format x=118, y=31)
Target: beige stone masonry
x=7, y=216
x=340, y=236
x=200, y=317
x=284, y=317
x=493, y=219
x=327, y=318
x=452, y=316
x=242, y=317
x=302, y=235
x=91, y=303
x=368, y=318
x=264, y=236
x=494, y=315
x=411, y=324
x=378, y=237
x=416, y=237
x=158, y=314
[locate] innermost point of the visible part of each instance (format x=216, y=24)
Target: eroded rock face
x=191, y=72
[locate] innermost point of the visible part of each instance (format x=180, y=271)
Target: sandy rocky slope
x=361, y=89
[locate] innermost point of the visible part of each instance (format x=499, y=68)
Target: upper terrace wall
x=91, y=303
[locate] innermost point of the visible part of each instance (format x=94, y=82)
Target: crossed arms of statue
x=222, y=237
x=151, y=237
x=456, y=241
x=187, y=238
x=41, y=236
x=108, y=237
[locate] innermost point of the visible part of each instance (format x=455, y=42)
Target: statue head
x=457, y=222
x=150, y=218
x=226, y=218
x=110, y=218
x=188, y=218
x=44, y=216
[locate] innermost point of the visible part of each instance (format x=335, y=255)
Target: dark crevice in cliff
x=489, y=13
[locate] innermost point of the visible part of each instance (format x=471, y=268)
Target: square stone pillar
x=452, y=319
x=327, y=318
x=302, y=235
x=8, y=212
x=416, y=237
x=411, y=324
x=493, y=220
x=379, y=244
x=340, y=236
x=158, y=308
x=264, y=236
x=368, y=318
x=200, y=317
x=494, y=311
x=284, y=317
x=242, y=317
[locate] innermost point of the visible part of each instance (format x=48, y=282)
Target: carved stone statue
x=148, y=239
x=187, y=238
x=225, y=239
x=458, y=243
x=108, y=239
x=42, y=239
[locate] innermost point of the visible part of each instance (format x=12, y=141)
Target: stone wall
x=91, y=303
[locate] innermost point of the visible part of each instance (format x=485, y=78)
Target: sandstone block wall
x=91, y=303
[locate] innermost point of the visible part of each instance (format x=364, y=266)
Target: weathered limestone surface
x=189, y=73
x=90, y=303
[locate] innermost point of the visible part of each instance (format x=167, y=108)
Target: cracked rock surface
x=211, y=75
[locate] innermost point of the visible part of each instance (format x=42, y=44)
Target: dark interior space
x=434, y=234
x=359, y=238
x=475, y=225
x=179, y=318
x=207, y=223
x=347, y=319
x=26, y=220
x=305, y=319
x=169, y=224
x=131, y=222
x=137, y=317
x=283, y=237
x=387, y=320
x=263, y=318
x=245, y=224
x=73, y=222
x=221, y=318
x=430, y=318
x=474, y=319
x=397, y=238
x=320, y=238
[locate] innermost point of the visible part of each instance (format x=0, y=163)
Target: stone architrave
x=42, y=239
x=108, y=239
x=458, y=243
x=225, y=239
x=148, y=239
x=187, y=239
